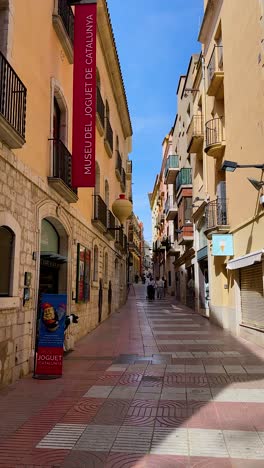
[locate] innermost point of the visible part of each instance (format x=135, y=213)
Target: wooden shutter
x=252, y=300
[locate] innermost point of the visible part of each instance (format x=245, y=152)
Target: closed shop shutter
x=252, y=300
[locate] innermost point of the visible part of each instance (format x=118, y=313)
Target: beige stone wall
x=241, y=102
x=29, y=199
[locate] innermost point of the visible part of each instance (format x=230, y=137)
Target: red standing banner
x=84, y=96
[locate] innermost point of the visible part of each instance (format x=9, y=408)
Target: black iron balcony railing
x=100, y=107
x=120, y=237
x=67, y=16
x=215, y=63
x=118, y=163
x=133, y=247
x=184, y=178
x=216, y=213
x=125, y=243
x=109, y=134
x=195, y=128
x=123, y=179
x=170, y=204
x=100, y=210
x=62, y=163
x=110, y=221
x=12, y=97
x=129, y=167
x=214, y=131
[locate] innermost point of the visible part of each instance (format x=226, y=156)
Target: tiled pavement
x=154, y=386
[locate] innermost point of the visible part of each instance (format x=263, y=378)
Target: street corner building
x=57, y=238
x=207, y=202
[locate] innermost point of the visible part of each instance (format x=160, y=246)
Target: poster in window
x=83, y=274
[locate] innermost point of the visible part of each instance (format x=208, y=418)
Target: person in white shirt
x=160, y=288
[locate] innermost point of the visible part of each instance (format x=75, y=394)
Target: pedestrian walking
x=165, y=286
x=151, y=289
x=160, y=288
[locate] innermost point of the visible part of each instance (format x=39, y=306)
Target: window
x=6, y=254
x=188, y=210
x=49, y=237
x=95, y=264
x=107, y=193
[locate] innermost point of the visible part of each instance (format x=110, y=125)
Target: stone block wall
x=25, y=197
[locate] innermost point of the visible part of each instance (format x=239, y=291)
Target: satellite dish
x=256, y=184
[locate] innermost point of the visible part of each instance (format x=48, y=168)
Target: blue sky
x=155, y=39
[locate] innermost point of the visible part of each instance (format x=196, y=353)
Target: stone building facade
x=43, y=221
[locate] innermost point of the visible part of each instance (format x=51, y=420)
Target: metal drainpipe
x=204, y=92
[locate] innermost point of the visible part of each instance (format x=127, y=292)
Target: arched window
x=60, y=114
x=106, y=267
x=49, y=238
x=6, y=255
x=107, y=193
x=95, y=263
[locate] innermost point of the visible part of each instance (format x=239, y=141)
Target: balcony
x=174, y=248
x=171, y=208
x=118, y=169
x=123, y=180
x=61, y=180
x=195, y=134
x=215, y=73
x=100, y=111
x=63, y=22
x=184, y=178
x=214, y=138
x=110, y=234
x=132, y=247
x=121, y=240
x=156, y=246
x=185, y=235
x=216, y=217
x=109, y=140
x=100, y=214
x=171, y=169
x=129, y=170
x=160, y=219
x=12, y=106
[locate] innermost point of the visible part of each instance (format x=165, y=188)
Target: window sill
x=9, y=302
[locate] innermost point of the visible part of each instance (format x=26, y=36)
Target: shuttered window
x=252, y=300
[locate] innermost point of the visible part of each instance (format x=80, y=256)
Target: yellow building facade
x=45, y=224
x=217, y=137
x=230, y=103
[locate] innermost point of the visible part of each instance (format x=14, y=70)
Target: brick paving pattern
x=155, y=385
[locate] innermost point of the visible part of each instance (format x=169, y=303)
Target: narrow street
x=154, y=386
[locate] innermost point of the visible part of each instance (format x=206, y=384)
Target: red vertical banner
x=84, y=96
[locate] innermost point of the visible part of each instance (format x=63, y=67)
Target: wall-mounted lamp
x=231, y=166
x=122, y=209
x=256, y=184
x=196, y=199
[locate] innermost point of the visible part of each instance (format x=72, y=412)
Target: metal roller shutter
x=252, y=300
